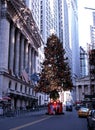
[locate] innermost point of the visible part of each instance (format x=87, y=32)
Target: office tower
x=61, y=17
x=83, y=62
x=68, y=33
x=49, y=18
x=45, y=14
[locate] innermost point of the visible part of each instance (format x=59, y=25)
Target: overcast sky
x=85, y=20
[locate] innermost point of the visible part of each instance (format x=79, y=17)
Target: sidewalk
x=22, y=113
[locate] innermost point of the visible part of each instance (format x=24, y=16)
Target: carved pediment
x=23, y=19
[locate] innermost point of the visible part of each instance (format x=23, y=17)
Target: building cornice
x=18, y=12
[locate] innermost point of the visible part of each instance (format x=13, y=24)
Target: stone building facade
x=85, y=89
x=19, y=43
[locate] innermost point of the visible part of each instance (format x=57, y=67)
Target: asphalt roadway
x=39, y=120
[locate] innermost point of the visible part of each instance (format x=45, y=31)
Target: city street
x=40, y=121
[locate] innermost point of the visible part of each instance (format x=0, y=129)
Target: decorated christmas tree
x=55, y=75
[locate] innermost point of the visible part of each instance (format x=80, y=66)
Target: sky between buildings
x=85, y=20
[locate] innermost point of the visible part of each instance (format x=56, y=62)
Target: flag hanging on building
x=25, y=76
x=35, y=77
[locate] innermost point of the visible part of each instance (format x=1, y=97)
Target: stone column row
x=21, y=54
x=4, y=37
x=80, y=95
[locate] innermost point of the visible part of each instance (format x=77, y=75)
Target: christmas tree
x=55, y=75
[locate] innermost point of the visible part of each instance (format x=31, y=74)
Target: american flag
x=25, y=76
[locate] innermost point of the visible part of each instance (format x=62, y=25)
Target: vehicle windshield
x=84, y=109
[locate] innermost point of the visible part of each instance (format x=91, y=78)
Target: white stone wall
x=83, y=87
x=19, y=44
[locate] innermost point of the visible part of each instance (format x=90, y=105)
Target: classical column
x=4, y=36
x=11, y=48
x=35, y=61
x=30, y=60
x=33, y=68
x=26, y=56
x=77, y=93
x=89, y=89
x=83, y=92
x=22, y=53
x=17, y=53
x=1, y=86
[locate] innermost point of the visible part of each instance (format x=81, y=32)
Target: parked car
x=83, y=112
x=91, y=120
x=78, y=106
x=69, y=106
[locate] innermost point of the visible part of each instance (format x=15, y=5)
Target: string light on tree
x=55, y=75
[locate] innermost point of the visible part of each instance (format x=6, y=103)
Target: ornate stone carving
x=23, y=18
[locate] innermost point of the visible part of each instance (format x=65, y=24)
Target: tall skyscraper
x=34, y=6
x=64, y=33
x=49, y=18
x=83, y=62
x=68, y=33
x=92, y=32
x=74, y=40
x=59, y=17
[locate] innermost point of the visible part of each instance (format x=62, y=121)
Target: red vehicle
x=55, y=107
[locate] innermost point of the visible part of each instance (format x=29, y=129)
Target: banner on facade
x=25, y=76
